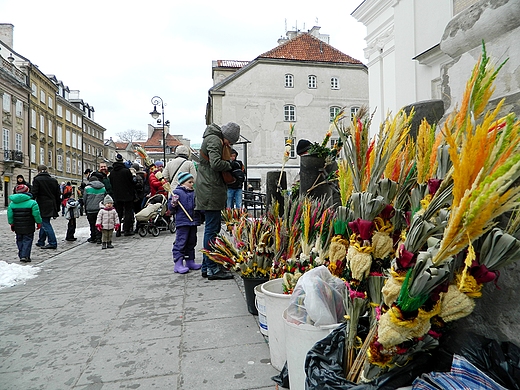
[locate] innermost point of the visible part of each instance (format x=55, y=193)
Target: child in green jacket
x=22, y=214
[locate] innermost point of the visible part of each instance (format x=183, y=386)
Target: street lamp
x=155, y=114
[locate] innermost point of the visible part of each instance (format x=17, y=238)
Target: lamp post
x=155, y=114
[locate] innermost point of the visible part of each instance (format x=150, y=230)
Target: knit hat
x=231, y=132
x=159, y=164
x=182, y=150
x=21, y=188
x=42, y=168
x=108, y=199
x=119, y=158
x=184, y=176
x=128, y=164
x=136, y=167
x=303, y=146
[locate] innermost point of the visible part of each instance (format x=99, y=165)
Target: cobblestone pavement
x=121, y=319
x=9, y=251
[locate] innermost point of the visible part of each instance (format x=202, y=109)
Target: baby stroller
x=152, y=217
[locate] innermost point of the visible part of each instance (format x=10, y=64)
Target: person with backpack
x=234, y=190
x=181, y=163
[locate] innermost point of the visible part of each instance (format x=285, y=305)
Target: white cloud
x=119, y=55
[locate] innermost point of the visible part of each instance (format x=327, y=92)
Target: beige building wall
x=256, y=101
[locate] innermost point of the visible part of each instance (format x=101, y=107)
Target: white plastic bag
x=317, y=299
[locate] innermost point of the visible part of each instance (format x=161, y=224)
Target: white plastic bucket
x=275, y=303
x=299, y=339
x=260, y=307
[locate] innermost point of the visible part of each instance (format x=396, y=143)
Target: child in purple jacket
x=182, y=202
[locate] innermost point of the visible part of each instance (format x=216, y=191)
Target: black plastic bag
x=325, y=361
x=282, y=379
x=499, y=361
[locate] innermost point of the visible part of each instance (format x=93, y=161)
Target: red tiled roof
x=306, y=47
x=154, y=143
x=121, y=145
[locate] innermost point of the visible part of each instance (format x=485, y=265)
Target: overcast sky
x=119, y=54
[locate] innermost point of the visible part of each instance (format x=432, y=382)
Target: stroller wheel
x=154, y=231
x=172, y=227
x=143, y=231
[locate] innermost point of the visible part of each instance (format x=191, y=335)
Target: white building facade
x=423, y=50
x=283, y=87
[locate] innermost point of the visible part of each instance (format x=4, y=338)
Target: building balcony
x=13, y=156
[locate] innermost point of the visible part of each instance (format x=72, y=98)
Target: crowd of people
x=111, y=197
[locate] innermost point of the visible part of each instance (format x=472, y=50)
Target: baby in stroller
x=155, y=217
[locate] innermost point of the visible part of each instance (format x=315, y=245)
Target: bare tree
x=131, y=135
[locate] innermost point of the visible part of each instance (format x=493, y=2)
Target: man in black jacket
x=46, y=192
x=123, y=193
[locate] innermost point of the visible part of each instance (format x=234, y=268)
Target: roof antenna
x=316, y=21
x=286, y=25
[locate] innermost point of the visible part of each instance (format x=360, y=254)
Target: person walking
x=186, y=219
x=123, y=193
x=139, y=185
x=107, y=221
x=234, y=191
x=21, y=180
x=94, y=194
x=104, y=176
x=22, y=214
x=181, y=163
x=71, y=213
x=211, y=189
x=46, y=192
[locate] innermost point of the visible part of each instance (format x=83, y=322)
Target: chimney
x=6, y=34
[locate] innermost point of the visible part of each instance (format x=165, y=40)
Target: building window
x=50, y=104
x=42, y=124
x=74, y=118
x=312, y=82
x=59, y=133
x=49, y=123
x=18, y=142
x=67, y=115
x=333, y=141
x=33, y=153
x=74, y=144
x=79, y=121
x=42, y=155
x=67, y=138
x=19, y=108
x=289, y=113
x=33, y=119
x=74, y=166
x=42, y=96
x=79, y=167
x=6, y=102
x=334, y=83
x=289, y=81
x=49, y=158
x=34, y=91
x=79, y=141
x=59, y=162
x=292, y=153
x=353, y=112
x=59, y=110
x=334, y=110
x=68, y=165
x=6, y=139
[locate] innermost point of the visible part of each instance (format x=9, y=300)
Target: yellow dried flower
x=382, y=244
x=359, y=263
x=455, y=304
